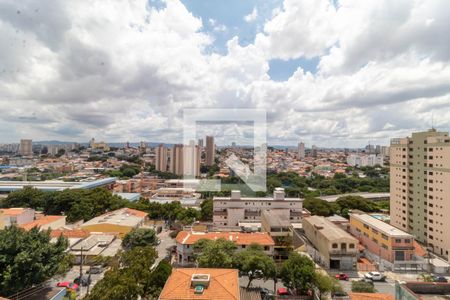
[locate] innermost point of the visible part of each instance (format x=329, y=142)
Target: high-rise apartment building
x=185, y=160
x=210, y=151
x=314, y=151
x=26, y=147
x=161, y=158
x=420, y=187
x=301, y=150
x=200, y=143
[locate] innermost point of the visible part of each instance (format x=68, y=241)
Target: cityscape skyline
x=64, y=77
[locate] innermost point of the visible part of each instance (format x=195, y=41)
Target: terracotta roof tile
x=13, y=211
x=136, y=212
x=70, y=233
x=240, y=238
x=42, y=221
x=223, y=285
x=418, y=249
x=370, y=296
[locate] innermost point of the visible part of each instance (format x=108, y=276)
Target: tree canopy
x=214, y=254
x=133, y=277
x=28, y=258
x=140, y=237
x=76, y=204
x=297, y=273
x=255, y=263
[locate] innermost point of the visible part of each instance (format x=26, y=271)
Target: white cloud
x=120, y=71
x=251, y=17
x=301, y=29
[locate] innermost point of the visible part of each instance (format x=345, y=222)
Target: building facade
x=336, y=249
x=210, y=151
x=381, y=239
x=26, y=147
x=301, y=150
x=420, y=189
x=230, y=211
x=161, y=158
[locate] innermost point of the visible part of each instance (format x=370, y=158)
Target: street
x=166, y=242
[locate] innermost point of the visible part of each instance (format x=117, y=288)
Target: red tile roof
x=42, y=221
x=240, y=238
x=70, y=233
x=370, y=296
x=418, y=249
x=223, y=285
x=13, y=211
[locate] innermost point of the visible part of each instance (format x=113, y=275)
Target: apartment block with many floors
x=420, y=188
x=230, y=211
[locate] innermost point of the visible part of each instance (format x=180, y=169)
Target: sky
x=339, y=73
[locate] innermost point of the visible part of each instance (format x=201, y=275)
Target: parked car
x=342, y=276
x=266, y=294
x=94, y=270
x=84, y=280
x=374, y=276
x=283, y=292
x=369, y=281
x=68, y=285
x=439, y=279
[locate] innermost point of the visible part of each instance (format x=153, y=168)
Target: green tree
x=297, y=273
x=214, y=254
x=206, y=210
x=319, y=207
x=362, y=287
x=131, y=278
x=326, y=284
x=158, y=278
x=255, y=263
x=28, y=258
x=140, y=237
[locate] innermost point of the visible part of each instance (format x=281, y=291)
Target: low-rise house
x=202, y=283
x=95, y=245
x=118, y=222
x=185, y=241
x=46, y=222
x=334, y=247
x=384, y=243
x=17, y=216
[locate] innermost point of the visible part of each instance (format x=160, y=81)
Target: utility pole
x=81, y=263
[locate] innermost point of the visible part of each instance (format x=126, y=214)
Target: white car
x=374, y=276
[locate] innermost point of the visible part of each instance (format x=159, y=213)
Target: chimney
x=200, y=282
x=278, y=194
x=235, y=195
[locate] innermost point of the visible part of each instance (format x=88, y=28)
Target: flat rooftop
x=54, y=185
x=368, y=196
x=329, y=230
x=124, y=216
x=380, y=225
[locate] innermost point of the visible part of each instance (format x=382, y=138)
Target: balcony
x=252, y=213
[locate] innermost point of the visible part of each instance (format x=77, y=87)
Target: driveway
x=165, y=246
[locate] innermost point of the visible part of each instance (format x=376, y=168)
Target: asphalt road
x=165, y=246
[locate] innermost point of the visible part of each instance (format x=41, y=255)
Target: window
x=398, y=240
x=351, y=246
x=385, y=237
x=334, y=246
x=366, y=226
